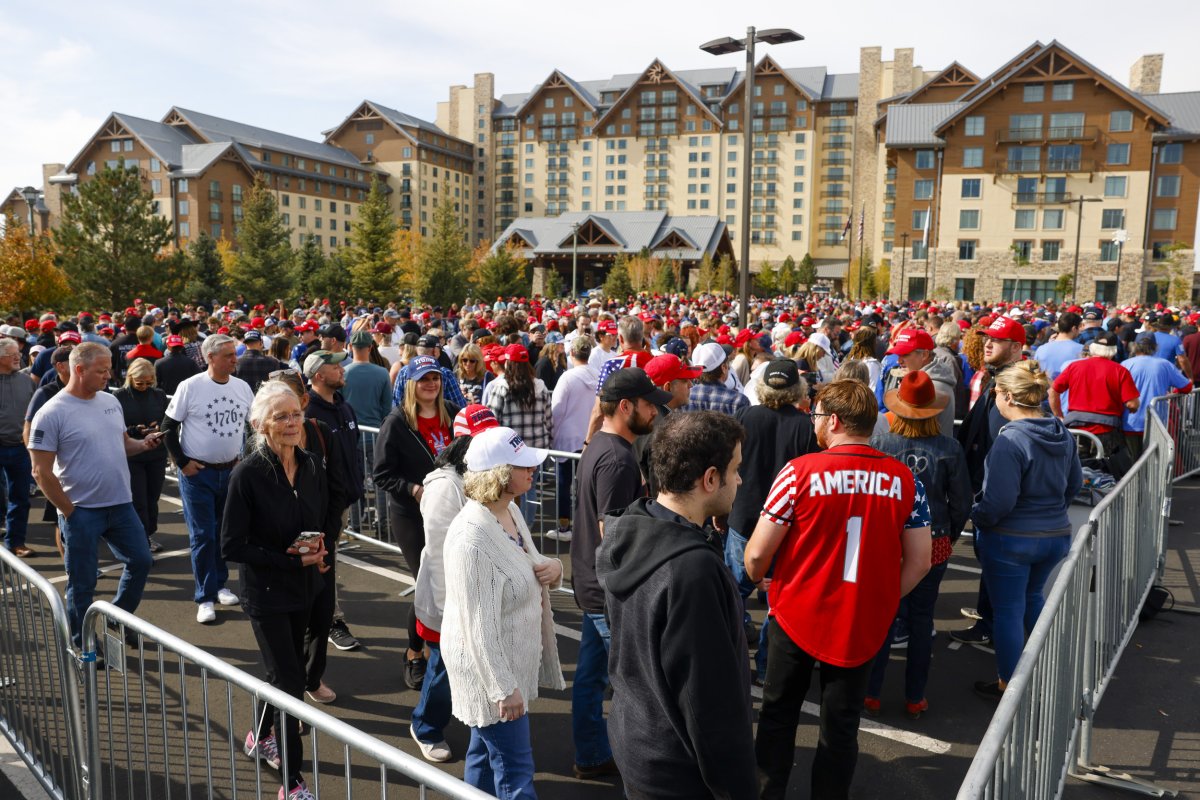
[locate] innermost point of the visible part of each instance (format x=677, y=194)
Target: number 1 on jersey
x=853, y=542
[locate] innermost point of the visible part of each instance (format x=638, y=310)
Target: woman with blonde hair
x=470, y=372
x=863, y=350
x=1031, y=474
x=521, y=401
x=144, y=405
x=409, y=440
x=497, y=634
x=972, y=349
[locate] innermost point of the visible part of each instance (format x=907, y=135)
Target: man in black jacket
x=681, y=712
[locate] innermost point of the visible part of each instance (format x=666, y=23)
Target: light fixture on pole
x=903, y=252
x=574, y=260
x=31, y=196
x=1078, y=235
x=1119, y=238
x=724, y=46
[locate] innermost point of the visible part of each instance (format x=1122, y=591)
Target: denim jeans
x=917, y=615
x=587, y=693
x=432, y=714
x=18, y=474
x=1015, y=569
x=203, y=497
x=126, y=537
x=789, y=672
x=983, y=603
x=499, y=760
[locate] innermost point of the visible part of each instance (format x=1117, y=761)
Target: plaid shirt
x=534, y=424
x=715, y=397
x=254, y=366
x=451, y=391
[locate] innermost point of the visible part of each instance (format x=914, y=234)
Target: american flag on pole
x=861, y=213
x=925, y=231
x=846, y=230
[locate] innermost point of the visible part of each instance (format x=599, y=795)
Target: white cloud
x=66, y=54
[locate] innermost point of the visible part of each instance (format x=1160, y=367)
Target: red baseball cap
x=258, y=322
x=911, y=339
x=516, y=352
x=473, y=419
x=69, y=336
x=174, y=341
x=667, y=367
x=382, y=327
x=795, y=338
x=1006, y=328
x=48, y=325
x=607, y=326
x=31, y=324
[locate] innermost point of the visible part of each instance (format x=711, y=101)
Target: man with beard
x=609, y=480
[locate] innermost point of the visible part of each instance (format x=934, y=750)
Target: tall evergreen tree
x=787, y=276
x=261, y=270
x=618, y=286
x=767, y=280
x=501, y=274
x=320, y=275
x=442, y=276
x=206, y=282
x=806, y=275
x=372, y=255
x=109, y=238
x=666, y=282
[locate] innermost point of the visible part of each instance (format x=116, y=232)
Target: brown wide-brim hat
x=915, y=397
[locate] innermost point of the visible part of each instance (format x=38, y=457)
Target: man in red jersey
x=848, y=530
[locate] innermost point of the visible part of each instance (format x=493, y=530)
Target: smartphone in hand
x=307, y=542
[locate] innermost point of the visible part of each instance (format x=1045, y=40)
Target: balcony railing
x=214, y=216
x=837, y=126
x=1070, y=165
x=835, y=193
x=832, y=226
x=1060, y=133
x=507, y=183
x=841, y=161
x=836, y=145
x=1041, y=198
x=764, y=192
x=556, y=181
x=1018, y=166
x=215, y=194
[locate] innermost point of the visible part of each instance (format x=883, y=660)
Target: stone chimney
x=902, y=71
x=1145, y=76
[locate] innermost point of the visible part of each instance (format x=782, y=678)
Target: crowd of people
x=826, y=455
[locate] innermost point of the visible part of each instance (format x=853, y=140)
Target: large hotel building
x=968, y=187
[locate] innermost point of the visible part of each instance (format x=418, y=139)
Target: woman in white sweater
x=441, y=501
x=497, y=637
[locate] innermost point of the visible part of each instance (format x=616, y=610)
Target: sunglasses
x=468, y=360
x=281, y=373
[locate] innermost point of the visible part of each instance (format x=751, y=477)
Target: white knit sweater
x=441, y=501
x=497, y=627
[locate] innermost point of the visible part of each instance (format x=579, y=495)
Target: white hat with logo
x=496, y=447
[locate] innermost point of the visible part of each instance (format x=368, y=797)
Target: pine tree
x=372, y=256
x=618, y=286
x=319, y=275
x=109, y=238
x=206, y=274
x=806, y=274
x=666, y=282
x=28, y=275
x=261, y=269
x=767, y=280
x=553, y=283
x=442, y=274
x=501, y=274
x=787, y=276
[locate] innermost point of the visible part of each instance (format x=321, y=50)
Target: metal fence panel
x=40, y=709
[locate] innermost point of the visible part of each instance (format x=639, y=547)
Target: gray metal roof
x=165, y=141
x=223, y=130
x=1184, y=110
x=840, y=87
x=633, y=230
x=914, y=125
x=400, y=118
x=196, y=158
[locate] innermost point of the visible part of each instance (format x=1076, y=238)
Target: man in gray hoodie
x=915, y=349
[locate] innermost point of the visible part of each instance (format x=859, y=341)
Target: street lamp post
x=31, y=195
x=720, y=47
x=575, y=260
x=1078, y=236
x=1118, y=239
x=903, y=252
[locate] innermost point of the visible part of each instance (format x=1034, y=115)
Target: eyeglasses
x=280, y=419
x=468, y=361
x=820, y=414
x=275, y=375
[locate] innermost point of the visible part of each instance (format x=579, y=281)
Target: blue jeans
x=917, y=614
x=499, y=760
x=587, y=693
x=126, y=537
x=203, y=497
x=1015, y=569
x=18, y=474
x=432, y=714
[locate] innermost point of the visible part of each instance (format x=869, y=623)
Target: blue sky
x=300, y=67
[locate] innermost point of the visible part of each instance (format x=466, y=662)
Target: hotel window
x=115, y=145
x=236, y=191
x=1112, y=218
x=1026, y=219
x=155, y=165
x=1114, y=186
x=1034, y=92
x=922, y=190
x=1165, y=218
x=924, y=159
x=155, y=186
x=1050, y=250
x=1063, y=90
x=406, y=152
x=1168, y=186
x=1171, y=153
x=1109, y=250
x=1118, y=153
x=1120, y=121
x=370, y=137
x=973, y=126
x=182, y=185
x=303, y=221
x=920, y=250
x=919, y=218
x=303, y=200
x=317, y=204
x=285, y=200
x=91, y=168
x=964, y=288
x=185, y=230
x=973, y=157
x=971, y=187
x=1023, y=248
x=183, y=208
x=966, y=249
x=287, y=219
x=968, y=219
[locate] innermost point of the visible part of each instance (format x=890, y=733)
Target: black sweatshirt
x=680, y=725
x=402, y=460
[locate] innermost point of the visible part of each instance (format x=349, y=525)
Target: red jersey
x=836, y=581
x=1097, y=385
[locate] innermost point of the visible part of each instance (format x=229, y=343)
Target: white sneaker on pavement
x=559, y=534
x=227, y=598
x=437, y=752
x=206, y=613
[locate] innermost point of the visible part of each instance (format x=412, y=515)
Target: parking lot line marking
x=965, y=568
x=118, y=566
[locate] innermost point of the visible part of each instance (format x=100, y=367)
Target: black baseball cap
x=630, y=383
x=1107, y=339
x=333, y=331
x=781, y=373
x=429, y=341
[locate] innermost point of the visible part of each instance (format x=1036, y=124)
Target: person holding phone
x=144, y=405
x=274, y=512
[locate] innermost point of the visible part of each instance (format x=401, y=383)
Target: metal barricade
x=40, y=709
x=171, y=721
x=368, y=518
x=1180, y=415
x=1043, y=726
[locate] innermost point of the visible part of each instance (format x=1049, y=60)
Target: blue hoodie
x=1031, y=475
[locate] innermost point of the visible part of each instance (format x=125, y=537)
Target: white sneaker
x=227, y=598
x=438, y=752
x=559, y=534
x=206, y=613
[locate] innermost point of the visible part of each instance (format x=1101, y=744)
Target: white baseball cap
x=822, y=341
x=709, y=355
x=496, y=447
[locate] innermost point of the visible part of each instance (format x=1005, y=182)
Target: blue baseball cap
x=421, y=366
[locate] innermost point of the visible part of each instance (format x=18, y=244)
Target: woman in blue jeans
x=1031, y=475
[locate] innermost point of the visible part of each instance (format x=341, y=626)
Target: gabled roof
x=1002, y=72
x=197, y=158
x=557, y=79
x=656, y=72
x=163, y=141
x=632, y=231
x=400, y=118
x=914, y=125
x=673, y=237
x=768, y=66
x=1046, y=55
x=589, y=227
x=217, y=129
x=954, y=75
x=1184, y=110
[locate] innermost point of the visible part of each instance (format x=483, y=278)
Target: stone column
x=1145, y=76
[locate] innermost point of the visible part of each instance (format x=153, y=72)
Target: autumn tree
x=261, y=268
x=727, y=275
x=706, y=274
x=767, y=280
x=109, y=238
x=787, y=276
x=442, y=274
x=372, y=255
x=408, y=246
x=29, y=278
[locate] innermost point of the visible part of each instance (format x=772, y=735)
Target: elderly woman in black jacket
x=144, y=406
x=409, y=440
x=275, y=494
